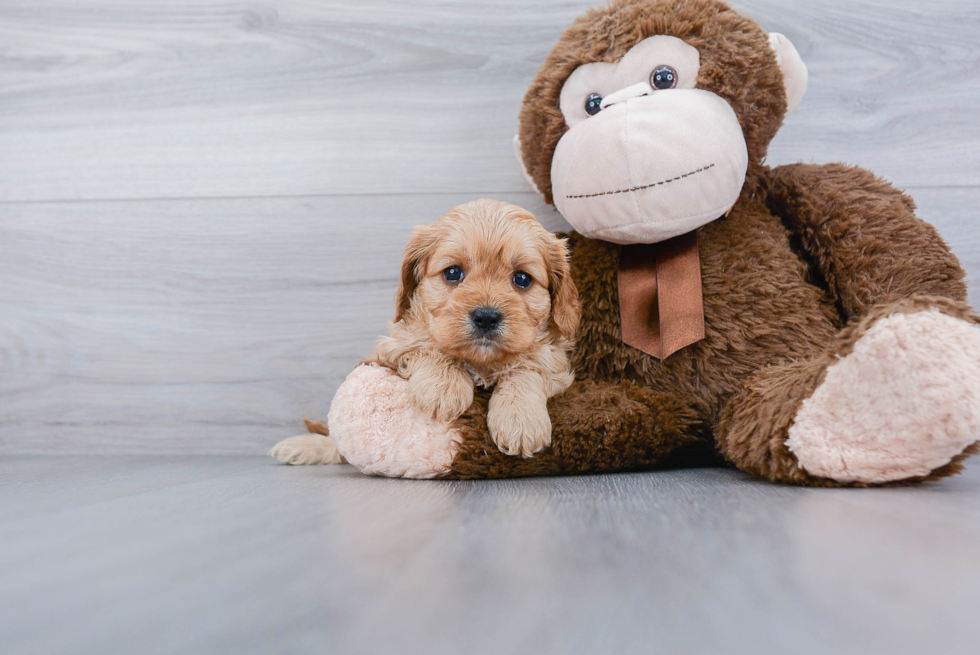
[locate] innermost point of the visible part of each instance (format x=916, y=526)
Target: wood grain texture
x=202, y=210
x=242, y=555
x=213, y=326
x=125, y=99
x=193, y=326
x=276, y=156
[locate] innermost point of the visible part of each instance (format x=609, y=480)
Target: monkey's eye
x=453, y=274
x=663, y=77
x=522, y=279
x=593, y=104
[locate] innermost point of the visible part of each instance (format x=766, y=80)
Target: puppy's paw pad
x=307, y=449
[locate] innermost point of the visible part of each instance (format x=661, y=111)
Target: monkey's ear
x=417, y=253
x=520, y=160
x=794, y=70
x=564, y=294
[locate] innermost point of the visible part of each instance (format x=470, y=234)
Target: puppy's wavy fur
x=437, y=346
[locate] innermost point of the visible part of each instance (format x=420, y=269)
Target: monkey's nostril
x=486, y=319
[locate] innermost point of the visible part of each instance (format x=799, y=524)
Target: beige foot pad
x=902, y=404
x=380, y=431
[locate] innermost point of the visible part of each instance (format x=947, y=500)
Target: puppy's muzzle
x=486, y=321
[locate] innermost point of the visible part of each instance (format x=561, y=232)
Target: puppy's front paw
x=517, y=426
x=443, y=396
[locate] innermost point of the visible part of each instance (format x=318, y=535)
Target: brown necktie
x=660, y=303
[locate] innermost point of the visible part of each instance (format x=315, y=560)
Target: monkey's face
x=647, y=156
x=662, y=110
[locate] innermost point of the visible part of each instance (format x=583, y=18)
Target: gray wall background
x=203, y=204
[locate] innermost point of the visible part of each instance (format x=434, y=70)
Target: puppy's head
x=489, y=283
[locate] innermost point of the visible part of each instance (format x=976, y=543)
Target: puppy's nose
x=486, y=319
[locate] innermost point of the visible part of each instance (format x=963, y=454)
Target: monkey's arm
x=863, y=236
x=596, y=428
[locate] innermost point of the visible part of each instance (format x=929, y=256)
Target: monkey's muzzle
x=651, y=167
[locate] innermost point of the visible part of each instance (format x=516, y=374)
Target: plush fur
x=887, y=410
x=825, y=300
x=367, y=425
x=737, y=63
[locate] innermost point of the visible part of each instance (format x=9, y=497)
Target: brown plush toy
x=825, y=340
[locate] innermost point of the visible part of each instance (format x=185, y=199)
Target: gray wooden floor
x=202, y=209
x=227, y=554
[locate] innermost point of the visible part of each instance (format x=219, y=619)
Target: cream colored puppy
x=486, y=298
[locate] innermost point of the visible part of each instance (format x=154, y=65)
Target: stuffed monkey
x=797, y=322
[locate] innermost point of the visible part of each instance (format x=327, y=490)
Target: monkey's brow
x=645, y=186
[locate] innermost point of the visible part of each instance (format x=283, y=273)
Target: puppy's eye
x=522, y=279
x=593, y=104
x=453, y=274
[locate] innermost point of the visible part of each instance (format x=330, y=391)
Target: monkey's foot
x=902, y=404
x=379, y=430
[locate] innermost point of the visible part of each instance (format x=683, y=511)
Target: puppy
x=486, y=298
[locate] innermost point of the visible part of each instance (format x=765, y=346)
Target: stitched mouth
x=645, y=186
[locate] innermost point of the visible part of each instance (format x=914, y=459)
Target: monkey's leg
x=896, y=399
x=863, y=236
x=595, y=428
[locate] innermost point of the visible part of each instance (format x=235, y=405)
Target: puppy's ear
x=564, y=294
x=417, y=254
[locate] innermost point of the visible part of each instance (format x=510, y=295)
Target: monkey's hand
x=440, y=389
x=517, y=415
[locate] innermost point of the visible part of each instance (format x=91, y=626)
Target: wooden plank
x=123, y=99
x=35, y=486
x=192, y=326
x=954, y=213
x=158, y=556
x=214, y=326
